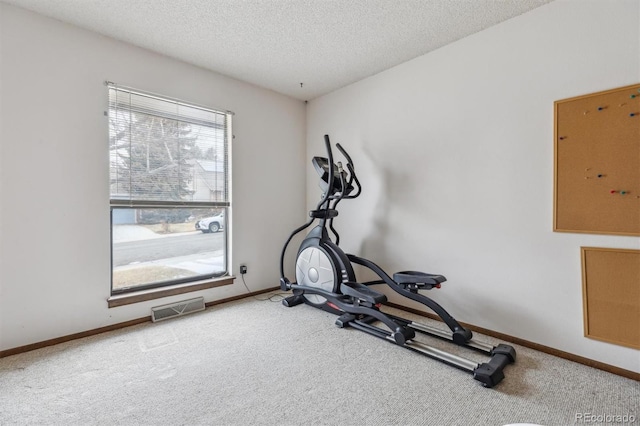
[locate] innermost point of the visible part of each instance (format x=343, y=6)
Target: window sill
x=157, y=293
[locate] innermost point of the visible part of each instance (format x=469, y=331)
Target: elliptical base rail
x=489, y=373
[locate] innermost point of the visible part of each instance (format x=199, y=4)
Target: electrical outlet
x=243, y=269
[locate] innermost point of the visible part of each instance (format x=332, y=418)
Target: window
x=169, y=190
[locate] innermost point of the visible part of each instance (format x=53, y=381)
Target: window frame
x=147, y=291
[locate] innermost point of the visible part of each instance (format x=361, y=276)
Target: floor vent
x=177, y=309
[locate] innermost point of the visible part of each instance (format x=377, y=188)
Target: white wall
x=455, y=150
x=54, y=216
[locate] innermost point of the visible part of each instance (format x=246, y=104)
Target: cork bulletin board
x=597, y=163
x=611, y=295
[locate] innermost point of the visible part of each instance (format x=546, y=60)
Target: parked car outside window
x=211, y=224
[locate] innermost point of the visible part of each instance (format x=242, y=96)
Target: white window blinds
x=166, y=152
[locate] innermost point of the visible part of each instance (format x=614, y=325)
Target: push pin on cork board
x=598, y=176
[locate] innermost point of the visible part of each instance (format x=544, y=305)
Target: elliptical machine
x=325, y=279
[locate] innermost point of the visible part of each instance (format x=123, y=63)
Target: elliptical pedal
x=418, y=280
x=362, y=292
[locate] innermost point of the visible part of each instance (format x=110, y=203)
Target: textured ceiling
x=278, y=44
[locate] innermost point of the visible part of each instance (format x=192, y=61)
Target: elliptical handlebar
x=327, y=193
x=353, y=178
x=350, y=166
x=352, y=172
x=342, y=150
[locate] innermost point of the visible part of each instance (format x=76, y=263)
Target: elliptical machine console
x=325, y=279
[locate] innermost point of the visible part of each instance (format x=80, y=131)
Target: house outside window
x=170, y=190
